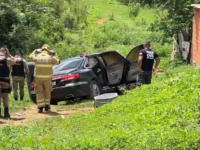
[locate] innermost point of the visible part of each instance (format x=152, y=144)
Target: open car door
x=115, y=65
x=132, y=57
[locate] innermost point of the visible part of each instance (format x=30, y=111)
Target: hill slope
x=111, y=28
x=164, y=115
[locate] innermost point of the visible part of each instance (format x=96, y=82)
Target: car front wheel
x=94, y=89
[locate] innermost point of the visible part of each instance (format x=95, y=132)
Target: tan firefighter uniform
x=6, y=61
x=44, y=62
x=19, y=72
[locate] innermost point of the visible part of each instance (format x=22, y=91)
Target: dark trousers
x=145, y=77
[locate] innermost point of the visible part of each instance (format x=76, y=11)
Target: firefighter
x=19, y=73
x=6, y=61
x=44, y=60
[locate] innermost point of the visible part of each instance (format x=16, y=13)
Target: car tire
x=95, y=89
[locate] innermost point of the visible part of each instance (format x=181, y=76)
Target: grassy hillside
x=164, y=115
x=118, y=31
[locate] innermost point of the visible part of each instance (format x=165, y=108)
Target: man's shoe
x=16, y=99
x=40, y=110
x=21, y=98
x=47, y=108
x=6, y=112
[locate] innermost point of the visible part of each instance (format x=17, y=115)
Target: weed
x=134, y=9
x=163, y=115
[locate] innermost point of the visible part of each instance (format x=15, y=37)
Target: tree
x=27, y=24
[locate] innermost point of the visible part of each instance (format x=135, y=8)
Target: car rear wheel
x=94, y=89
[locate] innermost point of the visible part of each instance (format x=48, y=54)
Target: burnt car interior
x=114, y=67
x=96, y=67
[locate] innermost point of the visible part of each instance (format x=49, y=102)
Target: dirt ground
x=22, y=118
x=101, y=22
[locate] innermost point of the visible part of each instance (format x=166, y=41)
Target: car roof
x=78, y=57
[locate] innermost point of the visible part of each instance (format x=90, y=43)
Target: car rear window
x=69, y=64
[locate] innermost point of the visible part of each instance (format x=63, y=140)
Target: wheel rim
x=94, y=90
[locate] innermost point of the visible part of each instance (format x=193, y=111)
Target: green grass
x=164, y=115
x=19, y=105
x=119, y=32
x=102, y=9
x=63, y=106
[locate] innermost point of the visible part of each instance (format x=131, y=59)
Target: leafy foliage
x=165, y=117
x=26, y=25
x=67, y=27
x=134, y=9
x=175, y=16
x=142, y=2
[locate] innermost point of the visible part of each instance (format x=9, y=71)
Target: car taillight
x=33, y=85
x=67, y=77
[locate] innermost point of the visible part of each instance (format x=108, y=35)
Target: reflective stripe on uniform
x=43, y=65
x=41, y=103
x=47, y=102
x=43, y=76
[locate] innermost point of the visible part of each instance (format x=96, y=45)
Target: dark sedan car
x=87, y=76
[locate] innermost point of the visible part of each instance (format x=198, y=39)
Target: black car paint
x=60, y=93
x=86, y=75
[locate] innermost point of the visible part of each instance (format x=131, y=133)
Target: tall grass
x=164, y=115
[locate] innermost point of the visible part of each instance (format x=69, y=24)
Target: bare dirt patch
x=22, y=118
x=101, y=22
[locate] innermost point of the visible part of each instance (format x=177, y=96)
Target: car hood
x=63, y=72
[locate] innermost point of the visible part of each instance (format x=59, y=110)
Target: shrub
x=134, y=9
x=26, y=25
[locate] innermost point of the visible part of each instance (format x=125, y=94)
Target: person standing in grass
x=19, y=73
x=44, y=60
x=146, y=62
x=6, y=62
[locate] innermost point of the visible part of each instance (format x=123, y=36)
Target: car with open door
x=87, y=76
x=120, y=70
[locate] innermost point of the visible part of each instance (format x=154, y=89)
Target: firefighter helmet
x=46, y=47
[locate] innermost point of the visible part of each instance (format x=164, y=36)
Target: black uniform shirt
x=148, y=59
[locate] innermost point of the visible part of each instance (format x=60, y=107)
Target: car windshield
x=68, y=64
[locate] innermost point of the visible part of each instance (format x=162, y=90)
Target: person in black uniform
x=146, y=62
x=19, y=72
x=6, y=62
